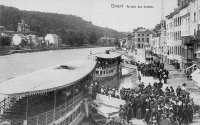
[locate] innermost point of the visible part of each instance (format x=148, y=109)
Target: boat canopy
x=111, y=55
x=49, y=79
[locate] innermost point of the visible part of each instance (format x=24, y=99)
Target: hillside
x=69, y=27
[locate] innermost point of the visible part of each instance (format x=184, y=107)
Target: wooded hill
x=72, y=29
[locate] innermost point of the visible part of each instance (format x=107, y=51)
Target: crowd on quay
x=151, y=103
x=155, y=70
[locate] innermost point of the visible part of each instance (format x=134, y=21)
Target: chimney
x=107, y=52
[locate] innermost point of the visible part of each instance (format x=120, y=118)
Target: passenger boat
x=108, y=64
x=51, y=96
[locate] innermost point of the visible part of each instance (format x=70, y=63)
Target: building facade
x=23, y=27
x=142, y=38
x=181, y=29
x=53, y=39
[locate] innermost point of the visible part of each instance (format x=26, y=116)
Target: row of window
x=104, y=72
x=143, y=39
x=142, y=34
x=177, y=21
x=174, y=35
x=176, y=50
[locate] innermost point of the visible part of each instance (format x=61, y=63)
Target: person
x=129, y=113
x=147, y=116
x=121, y=114
x=178, y=91
x=165, y=78
x=188, y=75
x=90, y=91
x=139, y=78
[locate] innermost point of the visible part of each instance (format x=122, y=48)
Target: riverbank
x=13, y=51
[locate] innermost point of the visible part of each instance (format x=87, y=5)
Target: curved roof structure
x=111, y=55
x=49, y=79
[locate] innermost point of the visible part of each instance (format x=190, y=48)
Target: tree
x=92, y=37
x=5, y=41
x=23, y=43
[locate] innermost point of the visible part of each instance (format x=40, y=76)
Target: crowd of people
x=155, y=70
x=152, y=103
x=156, y=106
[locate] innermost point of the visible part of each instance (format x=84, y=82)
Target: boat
x=105, y=108
x=108, y=64
x=51, y=96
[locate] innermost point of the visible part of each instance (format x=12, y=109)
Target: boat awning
x=196, y=76
x=49, y=79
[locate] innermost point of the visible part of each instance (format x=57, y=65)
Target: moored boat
x=108, y=64
x=51, y=96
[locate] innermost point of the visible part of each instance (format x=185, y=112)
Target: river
x=22, y=63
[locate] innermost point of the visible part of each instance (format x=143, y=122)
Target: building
x=130, y=41
x=23, y=27
x=33, y=40
x=106, y=41
x=53, y=39
x=154, y=41
x=174, y=42
x=17, y=39
x=142, y=37
x=181, y=29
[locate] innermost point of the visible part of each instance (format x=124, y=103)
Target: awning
x=50, y=79
x=196, y=76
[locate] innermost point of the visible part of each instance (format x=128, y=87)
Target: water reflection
x=119, y=81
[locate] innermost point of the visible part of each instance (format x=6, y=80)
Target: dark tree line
x=72, y=29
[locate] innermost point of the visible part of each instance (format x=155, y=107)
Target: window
x=142, y=39
x=138, y=39
x=194, y=32
x=142, y=34
x=194, y=16
x=147, y=34
x=199, y=14
x=147, y=39
x=138, y=34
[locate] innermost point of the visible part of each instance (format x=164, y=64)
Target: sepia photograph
x=99, y=62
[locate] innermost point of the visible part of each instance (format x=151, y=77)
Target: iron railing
x=55, y=114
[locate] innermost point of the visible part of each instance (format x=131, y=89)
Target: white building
x=17, y=38
x=53, y=39
x=33, y=39
x=154, y=42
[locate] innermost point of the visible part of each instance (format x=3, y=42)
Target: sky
x=101, y=12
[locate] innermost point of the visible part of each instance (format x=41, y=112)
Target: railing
x=4, y=104
x=107, y=66
x=54, y=114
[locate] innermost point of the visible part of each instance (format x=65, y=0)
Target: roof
x=49, y=79
x=111, y=55
x=144, y=30
x=54, y=35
